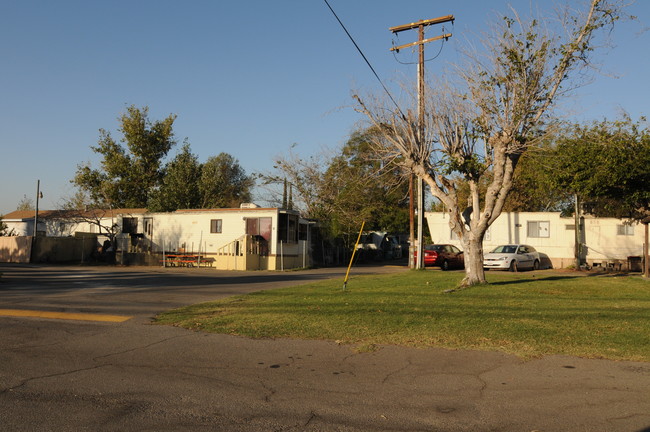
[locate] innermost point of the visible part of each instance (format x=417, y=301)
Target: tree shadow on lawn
x=533, y=278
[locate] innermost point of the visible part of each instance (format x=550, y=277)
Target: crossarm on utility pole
x=413, y=25
x=444, y=36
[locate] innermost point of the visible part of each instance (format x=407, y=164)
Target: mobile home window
x=215, y=226
x=130, y=225
x=626, y=230
x=260, y=226
x=148, y=226
x=252, y=226
x=538, y=229
x=288, y=228
x=302, y=232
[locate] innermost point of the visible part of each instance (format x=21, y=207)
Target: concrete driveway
x=72, y=375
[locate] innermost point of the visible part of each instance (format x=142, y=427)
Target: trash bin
x=634, y=263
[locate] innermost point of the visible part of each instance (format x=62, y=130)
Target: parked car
x=512, y=257
x=445, y=256
x=377, y=246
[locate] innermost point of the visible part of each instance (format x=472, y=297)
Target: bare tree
x=79, y=209
x=480, y=128
x=105, y=221
x=25, y=204
x=303, y=175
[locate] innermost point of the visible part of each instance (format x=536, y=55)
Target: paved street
x=72, y=375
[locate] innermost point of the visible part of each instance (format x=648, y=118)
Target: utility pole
x=577, y=246
x=38, y=193
x=32, y=256
x=646, y=255
x=420, y=25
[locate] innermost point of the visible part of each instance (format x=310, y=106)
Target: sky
x=249, y=78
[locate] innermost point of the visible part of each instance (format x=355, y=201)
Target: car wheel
x=536, y=265
x=513, y=266
x=445, y=265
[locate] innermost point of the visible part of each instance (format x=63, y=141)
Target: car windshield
x=505, y=249
x=436, y=248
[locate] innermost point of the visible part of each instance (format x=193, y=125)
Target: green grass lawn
x=528, y=314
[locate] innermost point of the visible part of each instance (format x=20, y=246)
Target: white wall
x=20, y=227
x=193, y=228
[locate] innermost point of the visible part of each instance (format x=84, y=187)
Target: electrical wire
x=364, y=57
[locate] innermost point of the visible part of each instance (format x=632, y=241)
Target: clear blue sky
x=249, y=78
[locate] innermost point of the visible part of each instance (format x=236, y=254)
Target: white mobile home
x=603, y=241
x=245, y=238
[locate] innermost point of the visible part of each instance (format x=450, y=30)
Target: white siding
x=173, y=230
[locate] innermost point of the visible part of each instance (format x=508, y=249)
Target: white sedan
x=512, y=257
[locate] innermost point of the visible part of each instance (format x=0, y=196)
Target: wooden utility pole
x=576, y=244
x=420, y=25
x=646, y=246
x=32, y=256
x=38, y=193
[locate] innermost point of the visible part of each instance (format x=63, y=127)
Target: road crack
x=28, y=380
x=130, y=350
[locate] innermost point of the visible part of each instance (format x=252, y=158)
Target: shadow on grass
x=533, y=278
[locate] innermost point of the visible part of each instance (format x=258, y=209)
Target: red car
x=443, y=255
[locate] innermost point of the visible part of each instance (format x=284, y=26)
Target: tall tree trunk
x=473, y=251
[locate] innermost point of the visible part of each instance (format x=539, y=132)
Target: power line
x=364, y=57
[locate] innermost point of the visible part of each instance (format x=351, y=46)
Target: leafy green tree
x=224, y=183
x=129, y=173
x=180, y=184
x=534, y=187
x=357, y=186
x=344, y=189
x=607, y=163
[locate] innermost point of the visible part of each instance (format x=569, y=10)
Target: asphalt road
x=76, y=375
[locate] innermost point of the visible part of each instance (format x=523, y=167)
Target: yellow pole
x=345, y=282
